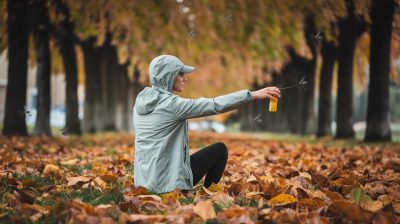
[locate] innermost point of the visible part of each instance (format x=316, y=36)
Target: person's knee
x=223, y=149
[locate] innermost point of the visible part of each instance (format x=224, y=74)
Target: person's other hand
x=268, y=92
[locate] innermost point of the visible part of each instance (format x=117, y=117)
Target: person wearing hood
x=162, y=162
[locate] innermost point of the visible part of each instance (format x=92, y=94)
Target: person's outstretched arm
x=201, y=107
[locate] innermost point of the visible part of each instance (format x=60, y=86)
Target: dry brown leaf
x=311, y=203
x=396, y=206
x=223, y=200
x=238, y=214
x=146, y=218
x=75, y=180
x=236, y=177
x=205, y=210
x=282, y=199
x=350, y=210
x=69, y=162
x=149, y=197
x=319, y=179
x=109, y=178
x=100, y=183
x=332, y=195
x=50, y=169
x=252, y=179
x=371, y=206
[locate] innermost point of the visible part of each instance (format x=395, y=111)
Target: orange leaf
x=282, y=199
x=205, y=210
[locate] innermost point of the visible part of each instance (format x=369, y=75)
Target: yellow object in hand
x=273, y=105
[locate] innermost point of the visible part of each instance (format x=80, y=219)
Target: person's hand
x=268, y=92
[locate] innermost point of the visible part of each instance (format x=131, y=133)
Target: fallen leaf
x=69, y=162
x=205, y=210
x=50, y=169
x=350, y=210
x=223, y=200
x=311, y=203
x=282, y=199
x=100, y=183
x=358, y=195
x=371, y=206
x=75, y=180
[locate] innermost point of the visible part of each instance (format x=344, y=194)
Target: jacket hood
x=163, y=71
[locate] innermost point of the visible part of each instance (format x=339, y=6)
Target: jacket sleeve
x=201, y=107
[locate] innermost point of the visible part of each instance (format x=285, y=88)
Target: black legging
x=209, y=161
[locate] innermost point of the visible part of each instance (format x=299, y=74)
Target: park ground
x=268, y=179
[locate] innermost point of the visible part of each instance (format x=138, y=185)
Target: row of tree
x=296, y=110
x=108, y=89
x=227, y=37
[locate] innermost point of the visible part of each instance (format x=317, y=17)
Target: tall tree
x=350, y=30
x=66, y=42
x=40, y=29
x=108, y=65
x=307, y=121
x=378, y=119
x=328, y=53
x=92, y=90
x=121, y=88
x=18, y=31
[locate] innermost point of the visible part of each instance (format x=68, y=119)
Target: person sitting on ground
x=162, y=162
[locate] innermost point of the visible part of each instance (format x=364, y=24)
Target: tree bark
x=66, y=42
x=307, y=121
x=108, y=66
x=350, y=30
x=121, y=88
x=43, y=75
x=328, y=53
x=134, y=88
x=91, y=76
x=378, y=119
x=14, y=118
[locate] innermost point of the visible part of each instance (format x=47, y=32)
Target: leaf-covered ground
x=90, y=180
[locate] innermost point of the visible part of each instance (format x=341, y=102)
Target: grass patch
x=79, y=169
x=186, y=201
x=94, y=197
x=35, y=180
x=217, y=207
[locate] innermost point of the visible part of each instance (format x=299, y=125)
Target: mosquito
x=193, y=33
x=229, y=19
x=256, y=121
x=317, y=38
x=64, y=131
x=300, y=85
x=24, y=112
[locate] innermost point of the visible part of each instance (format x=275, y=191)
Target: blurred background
x=73, y=66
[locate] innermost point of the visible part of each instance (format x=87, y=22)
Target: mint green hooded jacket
x=162, y=160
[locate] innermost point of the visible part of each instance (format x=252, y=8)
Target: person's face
x=180, y=81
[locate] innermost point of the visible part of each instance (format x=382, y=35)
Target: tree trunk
x=14, y=118
x=350, y=30
x=121, y=88
x=307, y=120
x=378, y=123
x=134, y=88
x=91, y=75
x=328, y=52
x=66, y=42
x=108, y=66
x=296, y=102
x=41, y=40
x=125, y=97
